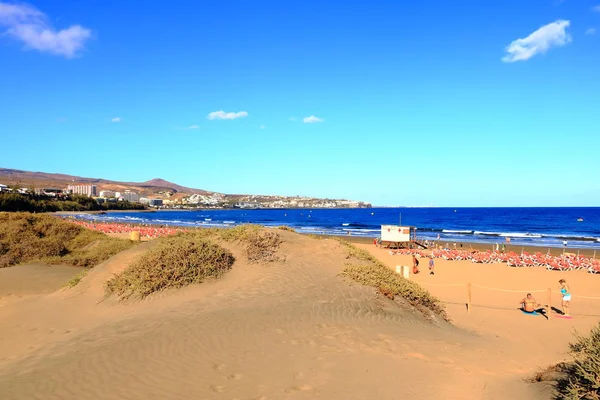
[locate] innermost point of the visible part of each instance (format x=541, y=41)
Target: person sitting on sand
x=566, y=296
x=530, y=305
x=415, y=265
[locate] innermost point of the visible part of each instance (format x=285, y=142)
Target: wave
x=456, y=231
x=509, y=234
x=229, y=222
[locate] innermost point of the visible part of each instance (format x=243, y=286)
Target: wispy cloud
x=311, y=120
x=116, y=119
x=596, y=8
x=191, y=127
x=227, y=115
x=552, y=35
x=29, y=25
x=590, y=31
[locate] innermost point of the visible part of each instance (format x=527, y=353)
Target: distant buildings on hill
x=86, y=190
x=208, y=200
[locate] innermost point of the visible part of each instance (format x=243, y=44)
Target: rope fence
x=469, y=293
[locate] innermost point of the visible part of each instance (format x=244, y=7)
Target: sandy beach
x=288, y=330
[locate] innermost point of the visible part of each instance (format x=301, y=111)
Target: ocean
x=545, y=227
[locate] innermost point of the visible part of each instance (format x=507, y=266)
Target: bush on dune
x=176, y=261
x=28, y=237
x=372, y=272
x=581, y=378
x=261, y=245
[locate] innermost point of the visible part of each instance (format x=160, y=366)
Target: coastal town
x=172, y=199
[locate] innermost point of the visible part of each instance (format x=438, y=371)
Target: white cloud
x=596, y=8
x=311, y=120
x=116, y=119
x=590, y=31
x=227, y=115
x=552, y=35
x=31, y=26
x=192, y=127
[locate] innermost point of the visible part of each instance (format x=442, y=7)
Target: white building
x=107, y=194
x=129, y=196
x=86, y=190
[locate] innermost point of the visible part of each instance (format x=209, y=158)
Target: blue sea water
x=547, y=227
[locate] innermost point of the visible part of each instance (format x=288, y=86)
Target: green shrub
x=28, y=237
x=176, y=261
x=372, y=272
x=581, y=378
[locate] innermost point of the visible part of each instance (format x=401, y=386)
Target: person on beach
x=566, y=296
x=565, y=243
x=431, y=266
x=530, y=305
x=415, y=265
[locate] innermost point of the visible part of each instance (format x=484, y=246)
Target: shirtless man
x=528, y=304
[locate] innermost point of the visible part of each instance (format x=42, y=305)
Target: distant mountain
x=42, y=179
x=161, y=183
x=174, y=193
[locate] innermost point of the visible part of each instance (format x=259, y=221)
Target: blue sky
x=468, y=103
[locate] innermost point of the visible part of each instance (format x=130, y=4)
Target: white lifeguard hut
x=399, y=236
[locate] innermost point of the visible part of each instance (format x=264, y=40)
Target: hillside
x=162, y=189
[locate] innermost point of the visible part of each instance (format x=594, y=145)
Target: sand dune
x=291, y=330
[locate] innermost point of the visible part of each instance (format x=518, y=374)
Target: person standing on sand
x=431, y=266
x=415, y=265
x=566, y=296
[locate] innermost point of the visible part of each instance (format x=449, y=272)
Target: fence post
x=549, y=310
x=469, y=297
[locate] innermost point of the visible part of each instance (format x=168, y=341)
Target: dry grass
x=286, y=228
x=263, y=247
x=28, y=237
x=76, y=279
x=177, y=261
x=372, y=272
x=548, y=374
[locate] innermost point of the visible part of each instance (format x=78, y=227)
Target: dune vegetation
x=192, y=257
x=372, y=272
x=176, y=261
x=580, y=379
x=26, y=237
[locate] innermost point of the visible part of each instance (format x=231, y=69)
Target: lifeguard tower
x=396, y=236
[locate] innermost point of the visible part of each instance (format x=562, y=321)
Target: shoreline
x=554, y=245
x=555, y=251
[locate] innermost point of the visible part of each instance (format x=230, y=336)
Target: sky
x=428, y=103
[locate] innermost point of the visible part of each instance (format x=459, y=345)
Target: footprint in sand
x=302, y=388
x=418, y=355
x=236, y=377
x=219, y=367
x=218, y=388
